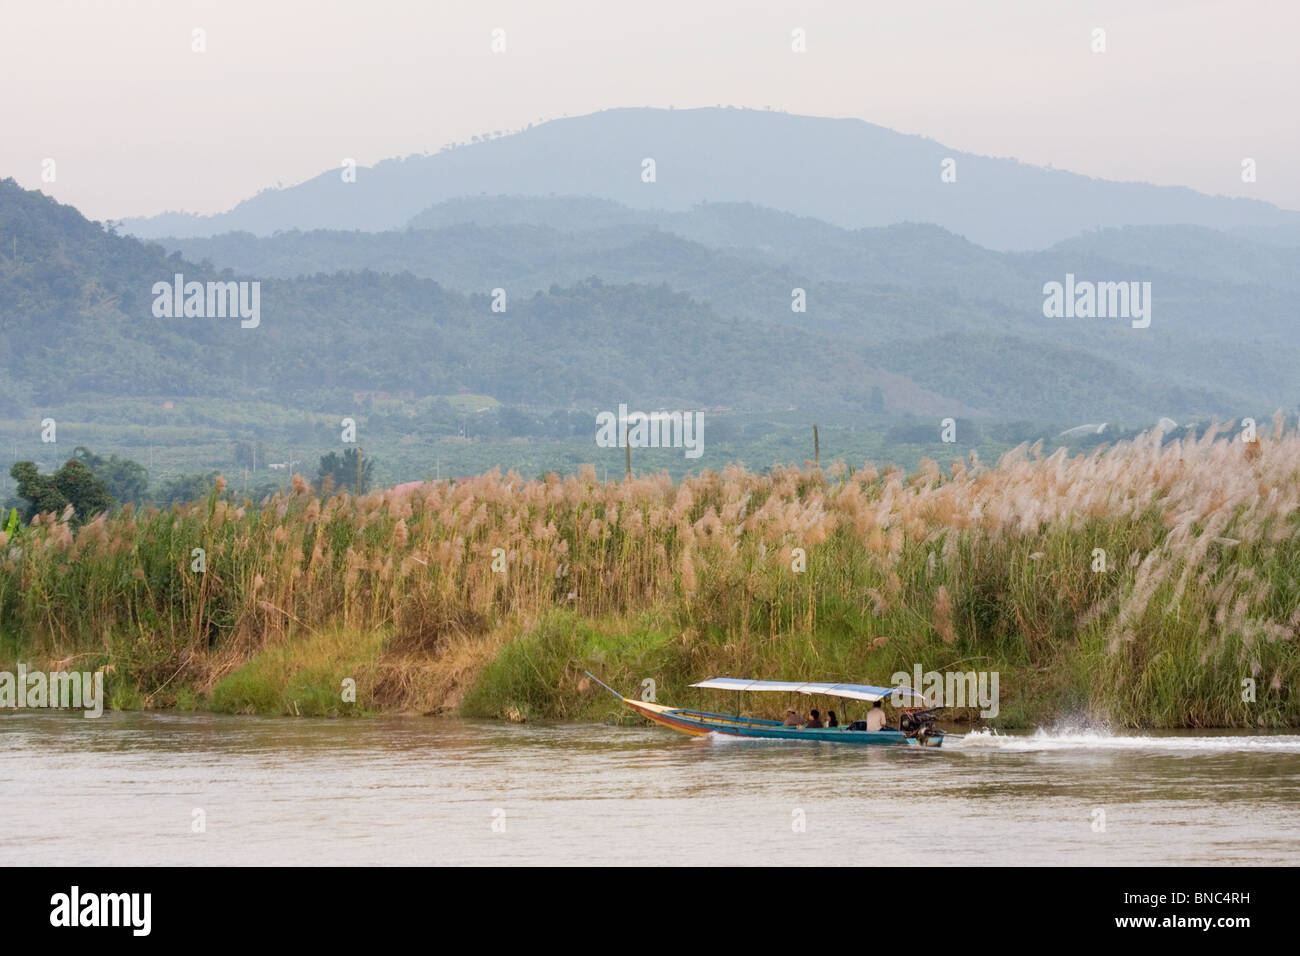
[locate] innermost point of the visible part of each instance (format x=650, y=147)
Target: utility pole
x=627, y=458
x=817, y=448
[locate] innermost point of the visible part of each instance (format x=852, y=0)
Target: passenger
x=831, y=719
x=792, y=719
x=816, y=719
x=876, y=718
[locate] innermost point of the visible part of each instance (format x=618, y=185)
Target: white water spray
x=1069, y=739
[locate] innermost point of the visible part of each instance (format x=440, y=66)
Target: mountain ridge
x=75, y=320
x=847, y=172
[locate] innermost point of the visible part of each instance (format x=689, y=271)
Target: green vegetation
x=73, y=485
x=347, y=472
x=125, y=480
x=304, y=677
x=91, y=484
x=1153, y=584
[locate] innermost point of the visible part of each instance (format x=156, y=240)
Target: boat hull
x=701, y=724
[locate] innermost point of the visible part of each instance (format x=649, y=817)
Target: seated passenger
x=831, y=719
x=816, y=719
x=792, y=719
x=876, y=719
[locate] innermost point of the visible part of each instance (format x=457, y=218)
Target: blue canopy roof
x=851, y=691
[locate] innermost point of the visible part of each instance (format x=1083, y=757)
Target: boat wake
x=990, y=740
x=732, y=740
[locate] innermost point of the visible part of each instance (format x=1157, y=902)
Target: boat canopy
x=851, y=691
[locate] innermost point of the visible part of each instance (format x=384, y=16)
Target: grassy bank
x=490, y=596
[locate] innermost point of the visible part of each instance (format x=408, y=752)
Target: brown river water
x=132, y=789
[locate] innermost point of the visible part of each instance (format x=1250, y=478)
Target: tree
x=185, y=489
x=39, y=490
x=342, y=471
x=73, y=484
x=127, y=480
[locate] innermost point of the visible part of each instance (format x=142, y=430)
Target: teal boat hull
x=701, y=723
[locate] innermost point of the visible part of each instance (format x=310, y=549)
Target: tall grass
x=981, y=567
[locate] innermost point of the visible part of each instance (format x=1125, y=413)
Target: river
x=161, y=788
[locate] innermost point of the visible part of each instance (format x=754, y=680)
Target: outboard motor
x=919, y=724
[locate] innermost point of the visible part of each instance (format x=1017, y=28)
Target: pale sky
x=138, y=123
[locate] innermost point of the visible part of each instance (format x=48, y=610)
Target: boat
x=915, y=726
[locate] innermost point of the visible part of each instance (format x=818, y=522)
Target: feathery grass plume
x=943, y=615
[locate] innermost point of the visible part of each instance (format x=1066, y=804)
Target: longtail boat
x=915, y=726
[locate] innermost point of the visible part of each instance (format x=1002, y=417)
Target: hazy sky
x=138, y=123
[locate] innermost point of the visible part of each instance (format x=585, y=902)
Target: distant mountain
x=846, y=172
x=1224, y=312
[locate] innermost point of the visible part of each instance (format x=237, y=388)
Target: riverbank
x=1149, y=585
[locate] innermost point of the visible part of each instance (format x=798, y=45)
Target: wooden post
x=358, y=469
x=817, y=448
x=627, y=457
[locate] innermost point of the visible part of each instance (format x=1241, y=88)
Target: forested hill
x=76, y=321
x=954, y=317
x=658, y=320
